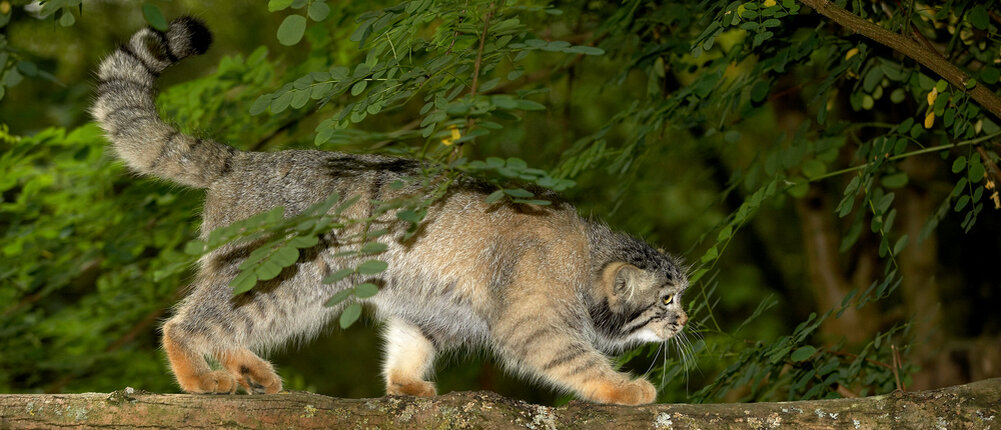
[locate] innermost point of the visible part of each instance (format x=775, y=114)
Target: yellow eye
x=668, y=299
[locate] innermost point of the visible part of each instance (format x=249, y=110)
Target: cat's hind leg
x=408, y=358
x=187, y=361
x=252, y=372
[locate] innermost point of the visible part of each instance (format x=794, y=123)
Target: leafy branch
x=923, y=55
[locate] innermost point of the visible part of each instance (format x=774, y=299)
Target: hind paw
x=270, y=384
x=219, y=381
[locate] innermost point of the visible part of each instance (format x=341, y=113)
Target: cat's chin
x=645, y=335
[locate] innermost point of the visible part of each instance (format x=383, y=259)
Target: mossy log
x=971, y=406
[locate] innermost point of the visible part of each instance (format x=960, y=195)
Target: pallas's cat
x=548, y=292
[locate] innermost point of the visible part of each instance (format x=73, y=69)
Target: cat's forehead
x=664, y=267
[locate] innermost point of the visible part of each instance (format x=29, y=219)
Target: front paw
x=636, y=392
x=411, y=387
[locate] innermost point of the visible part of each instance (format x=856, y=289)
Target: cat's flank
x=549, y=293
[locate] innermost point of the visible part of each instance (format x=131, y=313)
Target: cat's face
x=639, y=305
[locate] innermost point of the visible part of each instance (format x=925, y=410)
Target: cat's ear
x=619, y=280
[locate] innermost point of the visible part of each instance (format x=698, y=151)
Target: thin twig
x=896, y=367
x=455, y=34
x=479, y=51
x=909, y=154
x=470, y=122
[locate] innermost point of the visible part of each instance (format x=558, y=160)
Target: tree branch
x=910, y=48
x=976, y=405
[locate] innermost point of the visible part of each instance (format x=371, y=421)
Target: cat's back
x=295, y=179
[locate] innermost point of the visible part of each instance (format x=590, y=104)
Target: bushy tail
x=126, y=110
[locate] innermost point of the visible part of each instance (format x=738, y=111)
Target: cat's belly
x=447, y=321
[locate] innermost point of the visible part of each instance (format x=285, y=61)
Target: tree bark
x=971, y=406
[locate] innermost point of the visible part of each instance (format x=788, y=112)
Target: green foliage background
x=724, y=131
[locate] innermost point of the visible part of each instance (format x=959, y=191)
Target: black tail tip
x=194, y=30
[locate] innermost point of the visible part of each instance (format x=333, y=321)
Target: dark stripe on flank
x=227, y=163
x=198, y=142
x=535, y=336
x=129, y=52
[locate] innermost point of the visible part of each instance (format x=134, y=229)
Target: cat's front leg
x=408, y=358
x=562, y=357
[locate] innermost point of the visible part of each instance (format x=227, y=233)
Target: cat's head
x=639, y=298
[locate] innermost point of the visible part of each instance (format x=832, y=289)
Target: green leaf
x=291, y=30
x=961, y=203
x=895, y=180
x=277, y=5
x=153, y=16
x=802, y=353
x=285, y=256
x=67, y=19
x=529, y=105
x=519, y=193
x=959, y=164
x=195, y=247
x=799, y=187
x=366, y=290
x=898, y=95
x=339, y=297
x=814, y=168
x=872, y=78
x=358, y=87
x=281, y=102
x=361, y=33
x=304, y=241
x=710, y=255
x=941, y=86
x=978, y=17
x=371, y=267
x=269, y=269
x=409, y=215
x=494, y=196
x=373, y=247
x=243, y=282
x=338, y=275
x=350, y=315
x=725, y=233
x=536, y=202
x=586, y=50
x=976, y=172
x=318, y=11
x=899, y=246
x=261, y=104
x=884, y=202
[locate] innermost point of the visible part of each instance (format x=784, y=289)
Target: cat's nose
x=683, y=319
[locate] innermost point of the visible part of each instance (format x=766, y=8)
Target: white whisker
x=654, y=361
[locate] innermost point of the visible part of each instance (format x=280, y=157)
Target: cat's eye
x=668, y=299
